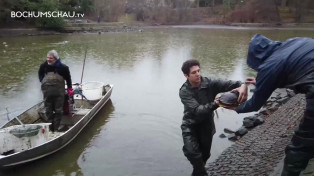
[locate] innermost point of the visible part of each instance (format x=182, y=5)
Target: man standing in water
x=197, y=95
x=287, y=64
x=52, y=74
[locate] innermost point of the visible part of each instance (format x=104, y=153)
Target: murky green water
x=138, y=132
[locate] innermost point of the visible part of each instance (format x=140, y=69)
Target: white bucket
x=92, y=90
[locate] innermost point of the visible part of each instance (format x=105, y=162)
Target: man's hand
x=250, y=80
x=243, y=92
x=70, y=92
x=217, y=98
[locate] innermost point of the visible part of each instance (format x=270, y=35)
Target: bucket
x=92, y=90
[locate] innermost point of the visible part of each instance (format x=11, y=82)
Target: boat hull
x=55, y=144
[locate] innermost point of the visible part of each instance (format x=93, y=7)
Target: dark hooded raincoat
x=288, y=64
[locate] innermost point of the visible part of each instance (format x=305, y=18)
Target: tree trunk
x=298, y=11
x=277, y=11
x=213, y=7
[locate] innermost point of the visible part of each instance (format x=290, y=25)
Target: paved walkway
x=261, y=151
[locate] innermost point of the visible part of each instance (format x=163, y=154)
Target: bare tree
x=276, y=4
x=109, y=10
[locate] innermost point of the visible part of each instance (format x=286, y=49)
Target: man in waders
x=197, y=95
x=288, y=64
x=52, y=74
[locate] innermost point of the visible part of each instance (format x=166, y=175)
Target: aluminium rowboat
x=32, y=140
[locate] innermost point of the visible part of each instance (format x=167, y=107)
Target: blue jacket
x=288, y=64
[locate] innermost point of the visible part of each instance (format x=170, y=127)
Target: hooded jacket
x=288, y=64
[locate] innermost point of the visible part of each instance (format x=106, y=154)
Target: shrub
x=45, y=22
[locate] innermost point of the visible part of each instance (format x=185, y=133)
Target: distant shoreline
x=139, y=27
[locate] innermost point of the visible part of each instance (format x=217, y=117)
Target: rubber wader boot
x=198, y=167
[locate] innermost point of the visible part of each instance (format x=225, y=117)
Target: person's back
x=285, y=64
x=293, y=60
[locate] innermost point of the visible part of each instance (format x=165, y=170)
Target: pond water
x=138, y=132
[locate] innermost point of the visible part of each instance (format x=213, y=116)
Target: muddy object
x=248, y=123
x=241, y=131
x=264, y=111
x=227, y=130
x=259, y=121
x=229, y=99
x=252, y=121
x=232, y=137
x=222, y=135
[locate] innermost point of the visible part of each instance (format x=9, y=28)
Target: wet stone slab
x=260, y=150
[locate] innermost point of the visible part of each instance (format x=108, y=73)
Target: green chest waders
x=53, y=88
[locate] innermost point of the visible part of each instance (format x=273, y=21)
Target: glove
x=70, y=92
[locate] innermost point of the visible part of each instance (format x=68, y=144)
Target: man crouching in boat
x=52, y=74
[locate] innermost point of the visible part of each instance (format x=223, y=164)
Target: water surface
x=138, y=132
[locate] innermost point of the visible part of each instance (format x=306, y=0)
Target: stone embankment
x=262, y=148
